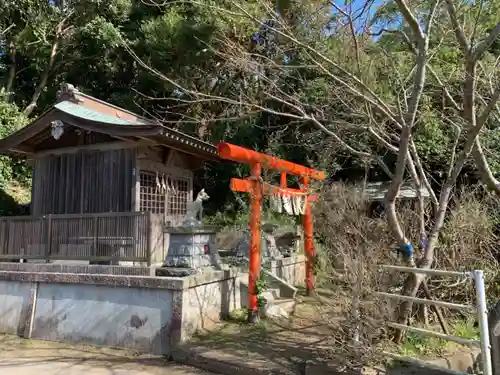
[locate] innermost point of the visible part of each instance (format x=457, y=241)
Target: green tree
x=12, y=169
x=43, y=37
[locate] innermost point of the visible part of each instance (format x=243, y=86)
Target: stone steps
x=277, y=305
x=286, y=290
x=280, y=308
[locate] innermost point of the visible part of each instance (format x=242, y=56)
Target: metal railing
x=100, y=237
x=480, y=309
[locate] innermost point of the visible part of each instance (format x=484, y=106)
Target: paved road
x=74, y=366
x=33, y=357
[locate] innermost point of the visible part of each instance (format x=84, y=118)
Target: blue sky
x=357, y=6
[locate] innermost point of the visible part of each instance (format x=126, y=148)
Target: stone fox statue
x=194, y=212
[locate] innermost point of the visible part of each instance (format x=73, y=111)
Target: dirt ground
x=309, y=335
x=32, y=357
x=284, y=343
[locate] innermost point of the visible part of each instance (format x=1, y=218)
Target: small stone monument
x=270, y=251
x=192, y=246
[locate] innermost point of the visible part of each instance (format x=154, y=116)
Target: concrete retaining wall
x=143, y=313
x=147, y=314
x=15, y=306
x=135, y=318
x=205, y=305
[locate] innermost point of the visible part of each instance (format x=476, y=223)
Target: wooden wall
x=84, y=182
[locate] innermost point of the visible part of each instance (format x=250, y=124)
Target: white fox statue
x=194, y=214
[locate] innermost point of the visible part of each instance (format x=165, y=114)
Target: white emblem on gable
x=57, y=129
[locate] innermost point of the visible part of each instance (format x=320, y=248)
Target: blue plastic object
x=406, y=250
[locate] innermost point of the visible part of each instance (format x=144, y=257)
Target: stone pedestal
x=192, y=248
x=268, y=249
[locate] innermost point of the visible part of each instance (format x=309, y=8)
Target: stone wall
x=81, y=304
x=203, y=306
x=147, y=314
x=14, y=306
x=291, y=269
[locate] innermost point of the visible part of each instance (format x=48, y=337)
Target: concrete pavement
x=33, y=357
x=75, y=366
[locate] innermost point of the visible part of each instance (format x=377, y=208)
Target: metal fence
x=101, y=237
x=480, y=308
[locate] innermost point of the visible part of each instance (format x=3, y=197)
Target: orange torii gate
x=256, y=188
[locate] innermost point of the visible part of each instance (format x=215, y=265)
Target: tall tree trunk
x=12, y=70
x=43, y=79
x=404, y=144
x=413, y=282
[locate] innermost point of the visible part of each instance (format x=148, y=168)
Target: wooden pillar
x=307, y=222
x=254, y=256
x=283, y=180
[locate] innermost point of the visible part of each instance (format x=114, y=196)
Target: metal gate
x=479, y=308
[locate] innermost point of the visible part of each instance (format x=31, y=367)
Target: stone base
x=192, y=248
x=175, y=272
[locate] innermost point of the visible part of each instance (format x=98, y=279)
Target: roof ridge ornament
x=67, y=91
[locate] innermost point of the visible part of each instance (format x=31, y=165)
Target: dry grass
x=352, y=245
x=468, y=238
x=469, y=241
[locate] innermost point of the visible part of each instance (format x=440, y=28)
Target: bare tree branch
x=459, y=33
x=7, y=29
x=483, y=46
x=411, y=19
x=421, y=171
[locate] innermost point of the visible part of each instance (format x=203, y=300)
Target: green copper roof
x=89, y=114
